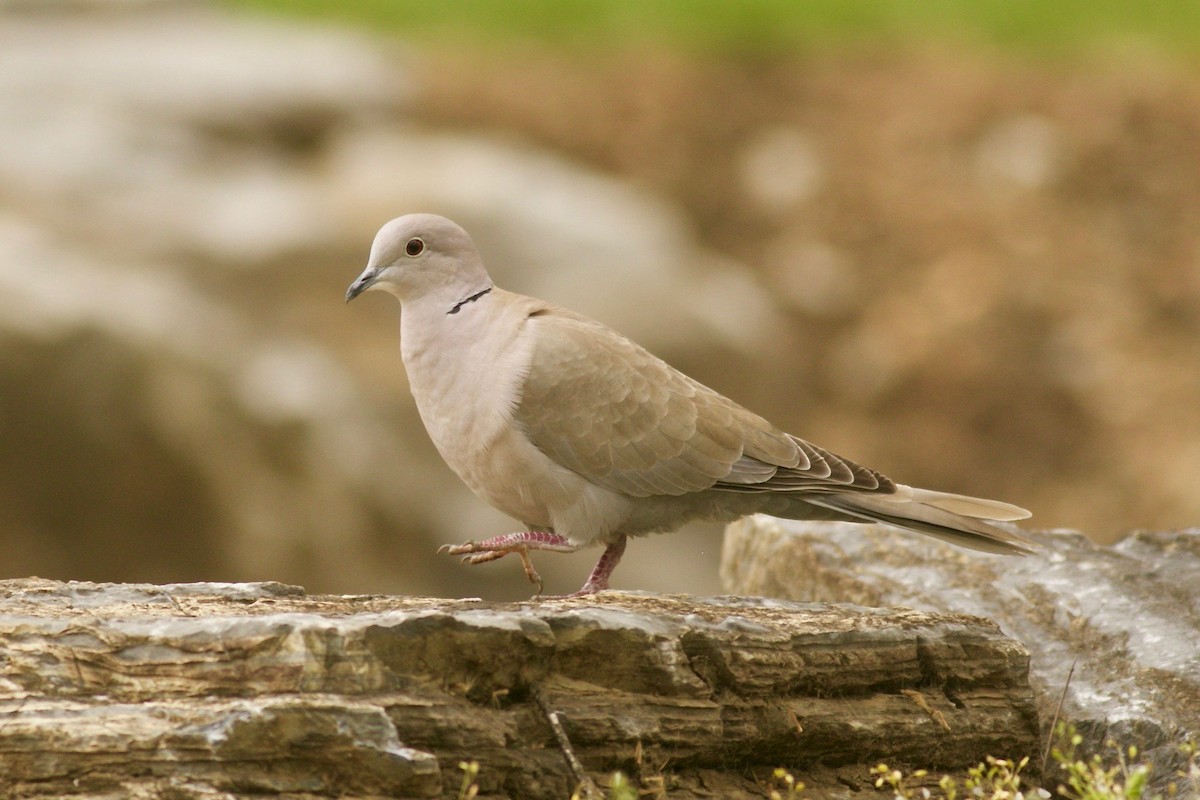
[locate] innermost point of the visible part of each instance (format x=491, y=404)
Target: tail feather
x=957, y=519
x=975, y=507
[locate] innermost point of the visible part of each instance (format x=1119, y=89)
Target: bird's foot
x=586, y=590
x=510, y=542
x=598, y=580
x=522, y=552
x=519, y=543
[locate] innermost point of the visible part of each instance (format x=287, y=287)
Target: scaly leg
x=598, y=580
x=519, y=543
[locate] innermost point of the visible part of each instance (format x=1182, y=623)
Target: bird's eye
x=414, y=247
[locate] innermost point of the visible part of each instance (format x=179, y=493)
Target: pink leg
x=531, y=540
x=519, y=543
x=598, y=580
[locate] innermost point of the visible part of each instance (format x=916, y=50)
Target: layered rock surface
x=240, y=690
x=1113, y=632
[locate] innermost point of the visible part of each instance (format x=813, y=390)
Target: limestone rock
x=240, y=690
x=1126, y=616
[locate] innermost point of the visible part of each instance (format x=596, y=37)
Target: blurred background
x=956, y=240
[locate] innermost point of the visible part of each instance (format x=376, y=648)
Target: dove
x=588, y=439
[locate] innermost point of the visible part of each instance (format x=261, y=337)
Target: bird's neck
x=462, y=366
x=471, y=298
x=449, y=322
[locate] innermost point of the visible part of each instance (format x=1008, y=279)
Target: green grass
x=767, y=27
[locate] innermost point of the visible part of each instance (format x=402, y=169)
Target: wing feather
x=604, y=407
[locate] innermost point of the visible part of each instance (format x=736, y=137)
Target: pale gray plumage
x=588, y=438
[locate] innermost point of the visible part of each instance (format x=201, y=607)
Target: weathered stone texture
x=1118, y=627
x=240, y=690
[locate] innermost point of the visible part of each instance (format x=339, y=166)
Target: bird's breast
x=465, y=375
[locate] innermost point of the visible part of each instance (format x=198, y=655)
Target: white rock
x=780, y=168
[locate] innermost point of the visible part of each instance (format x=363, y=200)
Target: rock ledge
x=240, y=690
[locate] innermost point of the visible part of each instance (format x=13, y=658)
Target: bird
x=588, y=439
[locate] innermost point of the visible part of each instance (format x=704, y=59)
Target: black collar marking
x=458, y=306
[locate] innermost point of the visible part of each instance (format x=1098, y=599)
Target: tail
x=954, y=518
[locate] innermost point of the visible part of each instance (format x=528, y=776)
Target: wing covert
x=606, y=408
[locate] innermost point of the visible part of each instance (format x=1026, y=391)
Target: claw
x=484, y=556
x=530, y=572
x=520, y=543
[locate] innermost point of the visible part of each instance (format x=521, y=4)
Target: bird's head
x=418, y=254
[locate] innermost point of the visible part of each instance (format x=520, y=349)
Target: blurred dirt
x=978, y=256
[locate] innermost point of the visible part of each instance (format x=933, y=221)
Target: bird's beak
x=362, y=283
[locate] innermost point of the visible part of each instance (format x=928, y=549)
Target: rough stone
x=241, y=690
x=1113, y=632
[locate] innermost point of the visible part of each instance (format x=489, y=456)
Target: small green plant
x=469, y=788
x=1093, y=779
x=1120, y=777
x=1190, y=772
x=897, y=781
x=995, y=779
x=620, y=788
x=1123, y=778
x=785, y=787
